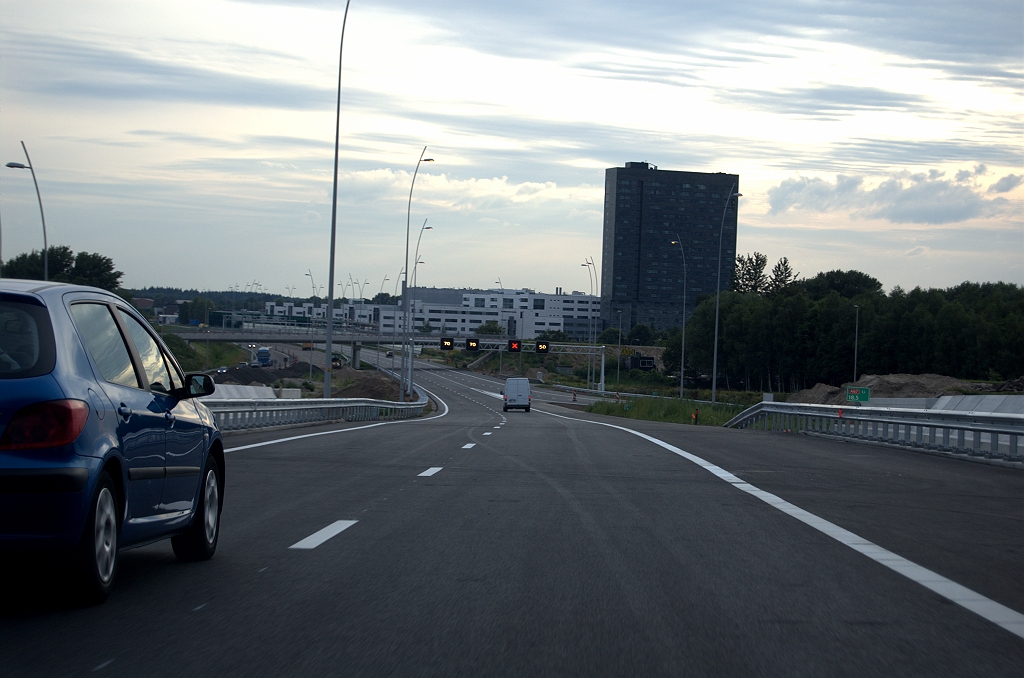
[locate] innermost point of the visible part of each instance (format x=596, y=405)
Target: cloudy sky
x=192, y=141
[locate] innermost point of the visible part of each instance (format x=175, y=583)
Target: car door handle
x=124, y=411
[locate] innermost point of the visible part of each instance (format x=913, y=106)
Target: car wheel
x=527, y=409
x=199, y=541
x=96, y=554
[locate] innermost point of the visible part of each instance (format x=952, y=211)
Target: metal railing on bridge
x=242, y=414
x=982, y=434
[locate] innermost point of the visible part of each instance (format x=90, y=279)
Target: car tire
x=504, y=409
x=96, y=554
x=199, y=541
x=527, y=409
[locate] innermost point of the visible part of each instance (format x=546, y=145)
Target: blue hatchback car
x=103, y=443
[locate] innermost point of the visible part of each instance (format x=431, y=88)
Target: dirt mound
x=888, y=386
x=1013, y=385
x=819, y=394
x=349, y=383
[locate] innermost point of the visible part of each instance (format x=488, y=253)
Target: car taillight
x=51, y=424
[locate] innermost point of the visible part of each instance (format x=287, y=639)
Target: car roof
x=48, y=291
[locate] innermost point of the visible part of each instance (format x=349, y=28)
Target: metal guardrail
x=242, y=414
x=626, y=394
x=981, y=434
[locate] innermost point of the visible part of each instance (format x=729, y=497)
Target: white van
x=517, y=394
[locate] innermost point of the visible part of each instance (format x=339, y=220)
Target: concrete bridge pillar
x=356, y=349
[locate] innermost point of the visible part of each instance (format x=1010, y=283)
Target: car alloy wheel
x=211, y=505
x=105, y=535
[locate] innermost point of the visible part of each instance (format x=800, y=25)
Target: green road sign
x=858, y=394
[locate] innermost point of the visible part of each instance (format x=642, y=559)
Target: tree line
x=779, y=332
x=65, y=266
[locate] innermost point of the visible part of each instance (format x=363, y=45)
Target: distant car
x=222, y=370
x=103, y=443
x=516, y=394
x=243, y=364
x=389, y=354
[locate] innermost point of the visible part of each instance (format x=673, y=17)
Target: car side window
x=177, y=381
x=99, y=331
x=149, y=351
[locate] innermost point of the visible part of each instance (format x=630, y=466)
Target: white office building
x=521, y=314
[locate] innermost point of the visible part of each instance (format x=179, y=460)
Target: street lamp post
x=682, y=348
x=46, y=247
x=619, y=365
x=718, y=289
x=380, y=317
x=597, y=286
x=407, y=386
x=856, y=339
x=334, y=218
x=590, y=325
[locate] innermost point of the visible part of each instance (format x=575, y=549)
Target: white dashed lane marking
x=431, y=471
x=320, y=536
x=468, y=446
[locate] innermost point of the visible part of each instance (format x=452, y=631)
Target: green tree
x=640, y=335
x=611, y=336
x=848, y=284
x=29, y=266
x=95, y=270
x=781, y=278
x=553, y=335
x=489, y=327
x=198, y=309
x=426, y=328
x=64, y=265
x=748, y=275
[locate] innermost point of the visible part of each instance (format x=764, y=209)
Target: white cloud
x=922, y=198
x=1006, y=184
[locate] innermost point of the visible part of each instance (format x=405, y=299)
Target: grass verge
x=675, y=411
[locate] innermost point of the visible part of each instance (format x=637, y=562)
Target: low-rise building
x=521, y=314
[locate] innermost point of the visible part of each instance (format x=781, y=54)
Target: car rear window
x=26, y=340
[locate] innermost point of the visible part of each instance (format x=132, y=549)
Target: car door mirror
x=198, y=385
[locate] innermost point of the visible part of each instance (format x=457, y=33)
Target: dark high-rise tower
x=641, y=270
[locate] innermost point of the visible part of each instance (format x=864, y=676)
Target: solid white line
x=431, y=471
x=999, y=614
x=343, y=430
x=468, y=445
x=320, y=536
x=487, y=393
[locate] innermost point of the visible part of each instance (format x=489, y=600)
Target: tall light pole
x=380, y=317
x=407, y=386
x=398, y=281
x=682, y=348
x=619, y=365
x=334, y=217
x=718, y=289
x=416, y=258
x=46, y=247
x=590, y=324
x=856, y=338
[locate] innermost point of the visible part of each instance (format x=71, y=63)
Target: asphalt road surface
x=472, y=542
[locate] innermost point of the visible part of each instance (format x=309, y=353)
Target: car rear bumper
x=43, y=508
